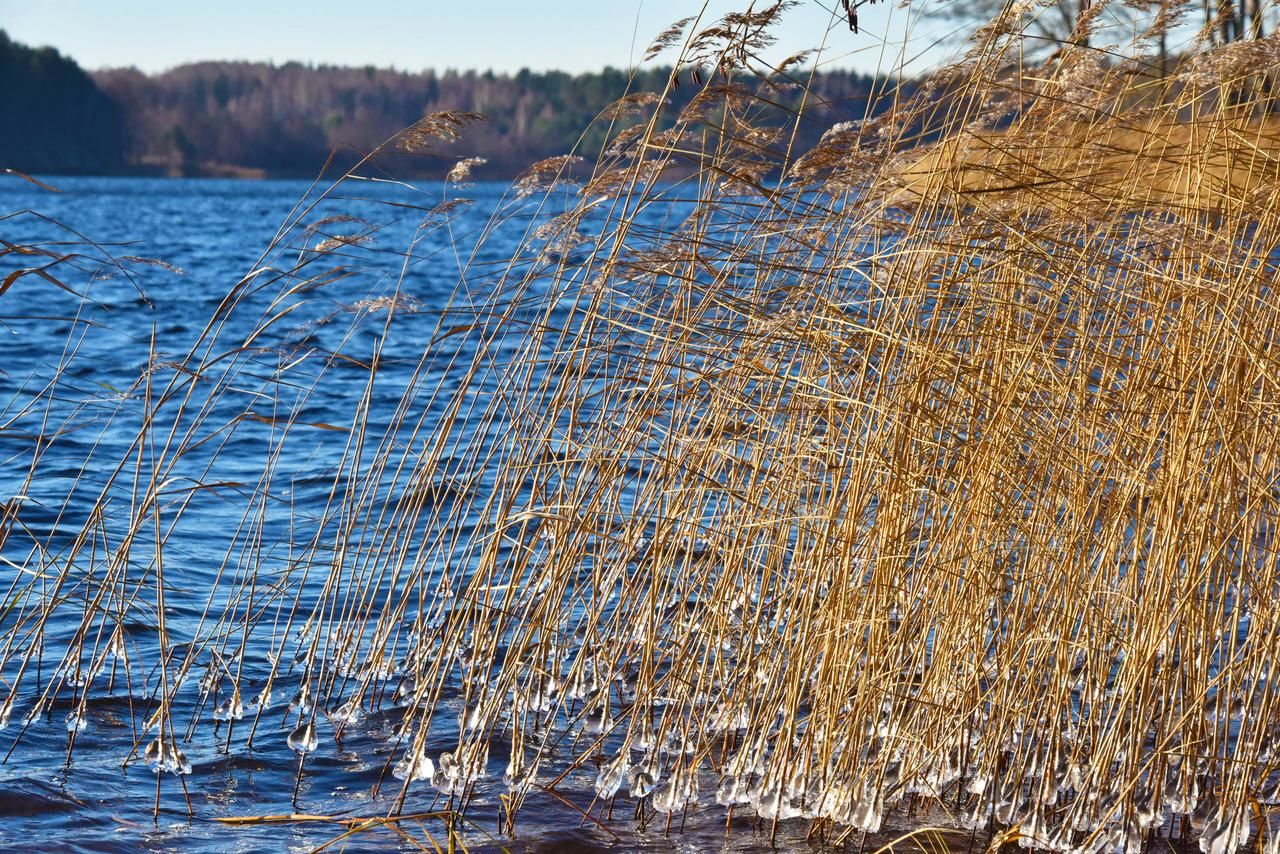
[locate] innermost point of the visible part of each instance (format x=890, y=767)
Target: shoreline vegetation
x=939, y=477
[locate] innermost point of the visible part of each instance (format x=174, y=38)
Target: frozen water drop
x=303, y=739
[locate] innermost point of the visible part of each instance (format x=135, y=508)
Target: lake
x=229, y=378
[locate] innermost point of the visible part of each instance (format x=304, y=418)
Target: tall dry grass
x=934, y=466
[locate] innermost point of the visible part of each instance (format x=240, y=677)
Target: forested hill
x=56, y=119
x=262, y=119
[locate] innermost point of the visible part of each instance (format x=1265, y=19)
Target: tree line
x=290, y=119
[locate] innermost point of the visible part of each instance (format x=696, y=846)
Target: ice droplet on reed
x=210, y=680
x=541, y=696
x=73, y=675
x=666, y=798
x=301, y=700
x=152, y=721
x=1033, y=832
x=609, y=780
x=644, y=737
x=450, y=779
x=346, y=714
x=868, y=813
x=519, y=773
x=1205, y=809
x=679, y=790
x=1225, y=832
x=230, y=709
x=642, y=778
x=597, y=719
x=163, y=755
x=415, y=765
x=1273, y=842
x=115, y=648
x=727, y=792
x=405, y=690
x=303, y=739
x=770, y=802
x=836, y=801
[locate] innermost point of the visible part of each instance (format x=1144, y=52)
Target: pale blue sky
x=573, y=35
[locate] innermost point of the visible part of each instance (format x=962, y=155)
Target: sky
x=411, y=35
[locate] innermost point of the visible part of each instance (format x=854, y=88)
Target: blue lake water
x=75, y=390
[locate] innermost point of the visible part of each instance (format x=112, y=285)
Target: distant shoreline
x=258, y=121
x=226, y=171
x=52, y=178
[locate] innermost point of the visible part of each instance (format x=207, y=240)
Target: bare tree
x=1052, y=27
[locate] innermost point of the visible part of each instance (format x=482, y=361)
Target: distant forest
x=240, y=118
x=57, y=119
